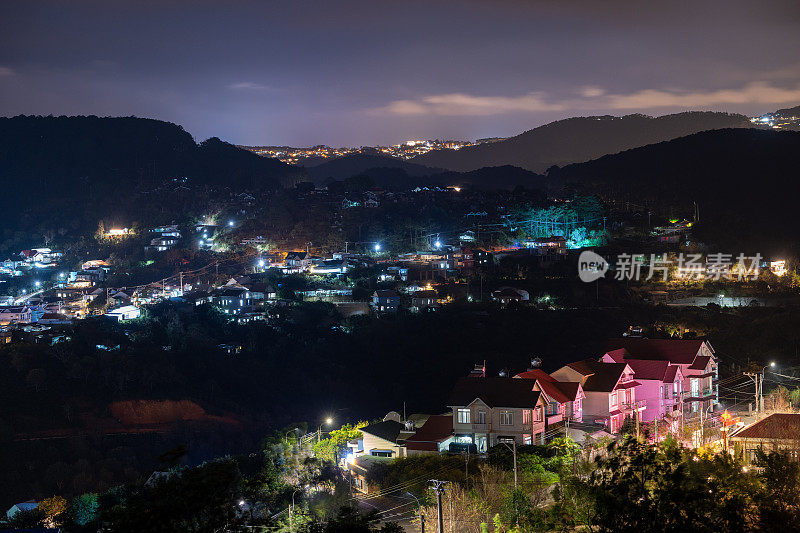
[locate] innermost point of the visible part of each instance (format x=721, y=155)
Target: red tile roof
x=560, y=391
x=777, y=426
x=676, y=351
x=670, y=374
x=427, y=438
x=536, y=373
x=645, y=369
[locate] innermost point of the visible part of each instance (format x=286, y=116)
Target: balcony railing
x=638, y=404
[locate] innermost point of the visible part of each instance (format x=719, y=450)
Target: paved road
x=393, y=508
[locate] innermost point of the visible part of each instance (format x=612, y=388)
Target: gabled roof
x=644, y=369
x=777, y=426
x=297, y=256
x=670, y=374
x=536, y=373
x=386, y=430
x=425, y=294
x=676, y=351
x=494, y=392
x=560, y=391
x=427, y=438
x=266, y=288
x=386, y=293
x=700, y=362
x=599, y=377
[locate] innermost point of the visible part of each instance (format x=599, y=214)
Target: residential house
x=433, y=437
x=555, y=245
x=54, y=319
x=695, y=357
x=661, y=384
x=126, y=312
x=20, y=314
x=383, y=439
x=778, y=432
x=297, y=260
x=385, y=301
x=564, y=399
x=506, y=295
x=472, y=258
x=424, y=300
x=30, y=505
x=610, y=391
x=162, y=244
x=233, y=300
x=330, y=266
x=490, y=410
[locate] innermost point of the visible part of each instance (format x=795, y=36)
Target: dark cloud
x=302, y=72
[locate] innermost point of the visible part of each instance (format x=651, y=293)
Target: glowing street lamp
x=328, y=422
x=377, y=247
x=261, y=263
x=37, y=283
x=438, y=244
x=230, y=223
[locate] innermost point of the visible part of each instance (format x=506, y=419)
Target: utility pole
x=513, y=449
x=181, y=276
x=754, y=378
x=438, y=486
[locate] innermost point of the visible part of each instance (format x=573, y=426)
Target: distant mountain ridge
x=579, y=139
x=353, y=164
x=743, y=182
x=65, y=155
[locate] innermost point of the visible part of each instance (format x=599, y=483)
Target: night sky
x=381, y=71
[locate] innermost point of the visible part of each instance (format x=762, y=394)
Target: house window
x=506, y=418
x=380, y=453
x=552, y=408
x=527, y=439
x=463, y=416
x=613, y=399
x=538, y=417
x=695, y=384
x=481, y=417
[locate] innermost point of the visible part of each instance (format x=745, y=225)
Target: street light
x=761, y=386
x=421, y=518
x=37, y=283
x=230, y=223
x=261, y=263
x=377, y=247
x=291, y=511
x=328, y=422
x=438, y=244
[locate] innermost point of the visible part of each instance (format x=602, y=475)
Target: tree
x=84, y=508
x=780, y=503
x=328, y=449
x=53, y=508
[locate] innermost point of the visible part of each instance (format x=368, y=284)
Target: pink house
x=660, y=383
x=564, y=399
x=609, y=388
x=695, y=358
